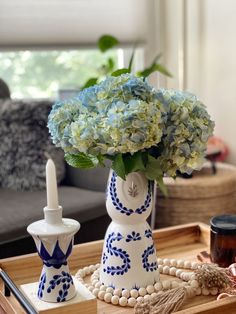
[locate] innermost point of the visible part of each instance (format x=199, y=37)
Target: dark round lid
x=224, y=224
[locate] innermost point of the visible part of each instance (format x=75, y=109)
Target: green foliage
x=118, y=166
x=120, y=71
x=90, y=82
x=81, y=160
x=155, y=67
x=135, y=162
x=153, y=172
x=106, y=42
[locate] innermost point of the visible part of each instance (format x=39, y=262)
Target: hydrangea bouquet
x=138, y=128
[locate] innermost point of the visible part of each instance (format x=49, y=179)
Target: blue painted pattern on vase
x=129, y=256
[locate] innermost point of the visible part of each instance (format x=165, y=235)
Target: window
x=47, y=73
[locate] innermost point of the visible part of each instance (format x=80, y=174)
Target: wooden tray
x=184, y=241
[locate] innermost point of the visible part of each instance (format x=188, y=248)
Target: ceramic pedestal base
x=56, y=285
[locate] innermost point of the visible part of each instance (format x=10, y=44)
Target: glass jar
x=223, y=240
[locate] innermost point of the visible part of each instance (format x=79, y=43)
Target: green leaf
x=153, y=68
x=111, y=64
x=120, y=71
x=162, y=186
x=81, y=160
x=100, y=158
x=162, y=69
x=90, y=82
x=134, y=162
x=106, y=42
x=153, y=171
x=118, y=166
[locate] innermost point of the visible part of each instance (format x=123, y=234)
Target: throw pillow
x=25, y=145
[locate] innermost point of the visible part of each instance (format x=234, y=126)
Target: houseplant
x=146, y=133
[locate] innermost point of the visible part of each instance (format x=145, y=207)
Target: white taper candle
x=51, y=180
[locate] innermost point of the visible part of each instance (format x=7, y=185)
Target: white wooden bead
x=198, y=291
x=213, y=291
x=134, y=293
x=95, y=291
x=159, y=261
x=160, y=268
x=101, y=295
x=182, y=275
x=174, y=284
x=193, y=277
x=110, y=290
x=92, y=268
x=205, y=291
x=158, y=286
x=103, y=288
x=81, y=273
x=154, y=294
x=94, y=282
x=178, y=272
x=117, y=292
x=97, y=265
x=98, y=285
x=172, y=271
x=86, y=270
x=91, y=288
x=166, y=284
x=123, y=301
x=187, y=264
x=194, y=265
x=184, y=284
x=147, y=298
x=166, y=270
x=180, y=263
x=194, y=283
x=86, y=285
x=140, y=299
x=150, y=289
x=166, y=261
x=142, y=291
x=107, y=297
x=173, y=262
x=115, y=299
x=187, y=277
x=125, y=293
x=132, y=301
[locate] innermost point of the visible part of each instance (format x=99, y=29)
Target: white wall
x=203, y=32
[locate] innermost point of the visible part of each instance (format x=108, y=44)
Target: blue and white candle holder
x=129, y=258
x=54, y=238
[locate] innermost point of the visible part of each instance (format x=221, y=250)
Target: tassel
x=166, y=302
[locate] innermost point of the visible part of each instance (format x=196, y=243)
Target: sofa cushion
x=20, y=208
x=25, y=145
x=92, y=179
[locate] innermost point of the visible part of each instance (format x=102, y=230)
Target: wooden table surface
x=180, y=242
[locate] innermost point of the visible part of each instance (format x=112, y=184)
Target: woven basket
x=199, y=198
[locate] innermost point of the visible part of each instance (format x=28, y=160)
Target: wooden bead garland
x=126, y=297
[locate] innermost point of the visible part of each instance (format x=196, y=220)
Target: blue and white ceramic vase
x=129, y=258
x=54, y=238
